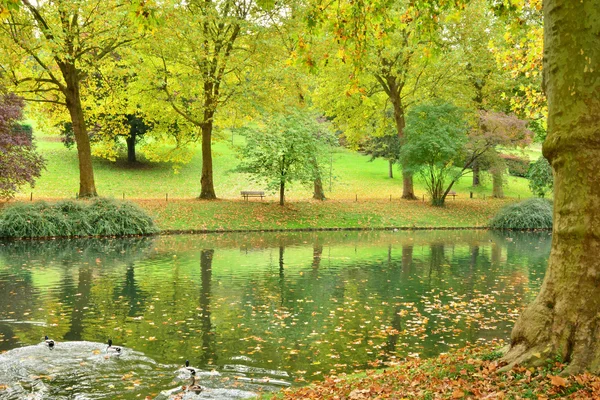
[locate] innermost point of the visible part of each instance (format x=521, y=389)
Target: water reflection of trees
x=304, y=309
x=75, y=262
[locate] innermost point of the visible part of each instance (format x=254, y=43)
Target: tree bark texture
x=131, y=148
x=281, y=193
x=391, y=170
x=207, y=189
x=476, y=178
x=87, y=185
x=408, y=191
x=497, y=180
x=318, y=193
x=564, y=319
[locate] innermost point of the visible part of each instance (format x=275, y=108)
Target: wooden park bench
x=453, y=194
x=252, y=193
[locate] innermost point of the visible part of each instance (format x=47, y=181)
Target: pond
x=254, y=312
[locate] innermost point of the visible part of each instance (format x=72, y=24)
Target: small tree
x=283, y=150
x=386, y=147
x=540, y=177
x=436, y=139
x=19, y=162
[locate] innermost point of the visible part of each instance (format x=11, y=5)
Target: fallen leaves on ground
x=469, y=373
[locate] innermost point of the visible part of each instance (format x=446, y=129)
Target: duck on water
x=49, y=342
x=193, y=387
x=116, y=350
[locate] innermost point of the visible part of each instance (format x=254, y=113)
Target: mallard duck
x=113, y=349
x=49, y=342
x=189, y=369
x=193, y=387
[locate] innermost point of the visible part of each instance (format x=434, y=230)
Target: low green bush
x=99, y=217
x=528, y=214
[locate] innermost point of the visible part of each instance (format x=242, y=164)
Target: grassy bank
x=467, y=373
x=256, y=215
x=352, y=175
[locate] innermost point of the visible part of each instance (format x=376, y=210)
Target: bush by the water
x=100, y=217
x=528, y=214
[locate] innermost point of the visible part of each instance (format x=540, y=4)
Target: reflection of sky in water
x=290, y=307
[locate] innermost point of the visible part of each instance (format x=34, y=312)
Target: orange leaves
x=556, y=380
x=457, y=375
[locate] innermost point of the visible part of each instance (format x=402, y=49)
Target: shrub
x=541, y=180
x=528, y=214
x=517, y=166
x=100, y=217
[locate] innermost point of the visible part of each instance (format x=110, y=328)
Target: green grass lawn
x=352, y=175
x=257, y=215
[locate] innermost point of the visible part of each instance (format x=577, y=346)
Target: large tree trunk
x=207, y=190
x=564, y=318
x=318, y=193
x=408, y=191
x=131, y=148
x=497, y=177
x=87, y=186
x=476, y=178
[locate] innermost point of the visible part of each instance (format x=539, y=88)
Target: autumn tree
x=498, y=131
x=50, y=48
x=386, y=60
x=199, y=61
x=19, y=162
x=563, y=319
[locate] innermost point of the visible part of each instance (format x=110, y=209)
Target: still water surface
x=245, y=307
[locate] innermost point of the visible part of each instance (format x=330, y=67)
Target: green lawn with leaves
x=360, y=194
x=352, y=176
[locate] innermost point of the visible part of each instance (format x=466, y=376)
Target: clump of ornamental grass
x=528, y=214
x=99, y=217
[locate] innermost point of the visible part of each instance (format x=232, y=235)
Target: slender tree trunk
x=281, y=193
x=564, y=318
x=476, y=178
x=87, y=186
x=131, y=148
x=391, y=169
x=497, y=181
x=207, y=190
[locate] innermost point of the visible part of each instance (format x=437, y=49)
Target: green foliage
x=436, y=135
x=100, y=217
x=284, y=149
x=517, y=166
x=528, y=214
x=540, y=177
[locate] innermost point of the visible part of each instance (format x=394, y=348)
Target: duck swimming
x=193, y=387
x=113, y=349
x=49, y=342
